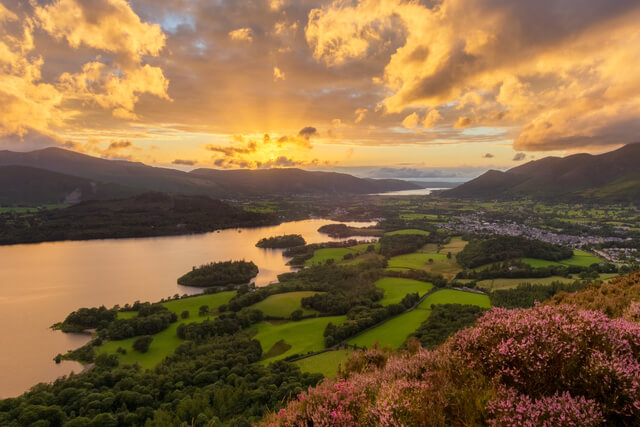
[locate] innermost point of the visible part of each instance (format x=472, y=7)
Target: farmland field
x=325, y=363
x=408, y=231
x=394, y=332
x=395, y=288
x=282, y=305
x=164, y=343
x=302, y=337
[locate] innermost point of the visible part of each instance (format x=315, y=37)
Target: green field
x=23, y=210
x=302, y=337
x=165, y=342
x=581, y=259
x=455, y=246
x=324, y=363
x=414, y=216
x=321, y=256
x=408, y=231
x=394, y=332
x=494, y=284
x=415, y=261
x=396, y=288
x=282, y=305
x=193, y=304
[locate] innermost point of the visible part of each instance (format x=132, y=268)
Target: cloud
x=569, y=83
x=242, y=34
x=119, y=145
x=488, y=156
x=431, y=119
x=360, y=114
x=307, y=132
x=114, y=80
x=410, y=121
x=519, y=157
x=462, y=122
x=278, y=74
x=184, y=162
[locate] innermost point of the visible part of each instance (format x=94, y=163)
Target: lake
x=41, y=283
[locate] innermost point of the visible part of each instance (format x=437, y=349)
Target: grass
x=394, y=332
x=321, y=256
x=408, y=231
x=415, y=261
x=193, y=304
x=448, y=267
x=282, y=305
x=324, y=363
x=414, y=216
x=164, y=343
x=304, y=336
x=495, y=284
x=396, y=288
x=22, y=210
x=581, y=259
x=455, y=246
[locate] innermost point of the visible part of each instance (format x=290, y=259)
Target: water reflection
x=41, y=283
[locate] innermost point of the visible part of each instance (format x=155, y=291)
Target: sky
x=408, y=86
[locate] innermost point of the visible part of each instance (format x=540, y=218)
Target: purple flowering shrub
x=544, y=366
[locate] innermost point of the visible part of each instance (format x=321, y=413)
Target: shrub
x=143, y=343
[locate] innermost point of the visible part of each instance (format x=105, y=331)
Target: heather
x=542, y=366
x=613, y=298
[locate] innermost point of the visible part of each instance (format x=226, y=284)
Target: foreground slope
x=553, y=364
x=612, y=176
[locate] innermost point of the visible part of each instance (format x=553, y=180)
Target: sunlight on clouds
x=25, y=102
x=568, y=82
x=242, y=34
x=278, y=74
x=29, y=103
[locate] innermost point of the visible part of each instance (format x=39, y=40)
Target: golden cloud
x=571, y=82
x=108, y=26
x=242, y=34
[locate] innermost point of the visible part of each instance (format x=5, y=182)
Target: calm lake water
x=41, y=283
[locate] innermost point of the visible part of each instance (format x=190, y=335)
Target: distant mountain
x=296, y=181
x=612, y=176
x=210, y=182
x=31, y=186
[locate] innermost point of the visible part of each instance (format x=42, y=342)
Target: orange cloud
x=242, y=34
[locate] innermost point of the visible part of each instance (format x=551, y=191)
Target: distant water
x=41, y=283
x=418, y=192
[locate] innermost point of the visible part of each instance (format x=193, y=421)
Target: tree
x=142, y=344
x=185, y=314
x=204, y=310
x=296, y=315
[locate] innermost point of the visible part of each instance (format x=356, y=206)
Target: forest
x=281, y=242
x=220, y=274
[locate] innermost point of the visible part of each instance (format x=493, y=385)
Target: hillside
x=209, y=182
x=553, y=364
x=149, y=214
x=31, y=186
x=612, y=176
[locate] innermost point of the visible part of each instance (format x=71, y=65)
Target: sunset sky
x=320, y=84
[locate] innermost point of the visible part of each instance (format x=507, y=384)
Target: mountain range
x=55, y=175
x=610, y=177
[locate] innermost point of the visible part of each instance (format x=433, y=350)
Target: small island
x=281, y=242
x=220, y=274
x=341, y=231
